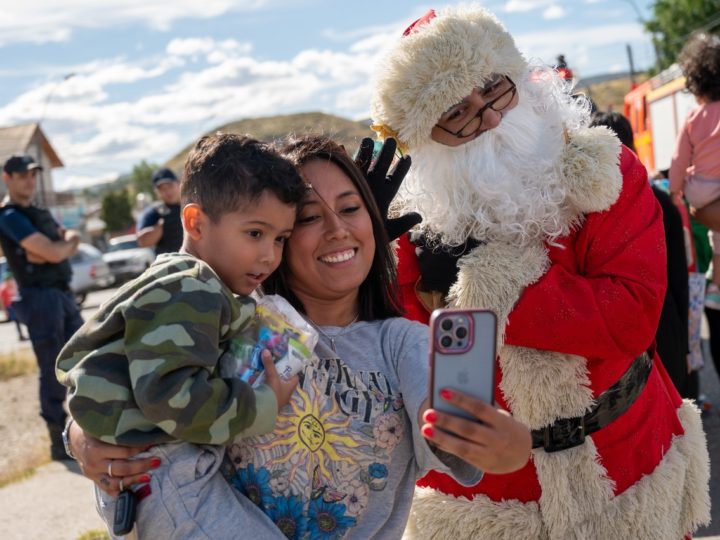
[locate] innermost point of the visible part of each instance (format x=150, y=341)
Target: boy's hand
x=283, y=388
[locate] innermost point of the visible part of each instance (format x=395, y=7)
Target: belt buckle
x=564, y=433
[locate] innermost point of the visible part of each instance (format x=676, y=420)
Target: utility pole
x=654, y=40
x=41, y=174
x=632, y=65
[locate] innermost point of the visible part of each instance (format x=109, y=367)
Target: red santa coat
x=599, y=298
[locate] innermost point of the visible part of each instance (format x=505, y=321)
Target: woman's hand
x=499, y=445
x=97, y=459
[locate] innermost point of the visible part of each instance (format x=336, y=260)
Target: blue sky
x=150, y=76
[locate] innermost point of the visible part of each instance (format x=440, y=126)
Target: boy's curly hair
x=700, y=63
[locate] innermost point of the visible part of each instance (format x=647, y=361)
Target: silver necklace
x=331, y=338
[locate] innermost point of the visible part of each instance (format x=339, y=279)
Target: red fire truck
x=657, y=109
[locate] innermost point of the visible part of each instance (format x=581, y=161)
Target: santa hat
x=438, y=61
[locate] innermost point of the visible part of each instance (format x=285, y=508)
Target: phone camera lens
x=461, y=332
x=447, y=324
x=446, y=341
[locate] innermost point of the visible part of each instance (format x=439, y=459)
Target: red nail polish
x=144, y=479
x=428, y=431
x=155, y=463
x=446, y=394
x=430, y=416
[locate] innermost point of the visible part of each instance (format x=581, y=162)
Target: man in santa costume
x=553, y=226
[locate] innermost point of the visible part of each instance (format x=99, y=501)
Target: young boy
x=145, y=369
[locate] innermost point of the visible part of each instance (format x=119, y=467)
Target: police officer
x=160, y=224
x=37, y=251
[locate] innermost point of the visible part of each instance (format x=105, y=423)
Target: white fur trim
x=439, y=517
x=574, y=486
x=591, y=171
x=666, y=504
x=542, y=386
x=493, y=276
x=436, y=66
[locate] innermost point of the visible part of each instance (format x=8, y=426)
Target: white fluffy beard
x=503, y=186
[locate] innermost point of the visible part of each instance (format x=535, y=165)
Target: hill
x=272, y=128
x=607, y=92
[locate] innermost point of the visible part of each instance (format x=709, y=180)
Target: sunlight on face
x=332, y=247
x=245, y=246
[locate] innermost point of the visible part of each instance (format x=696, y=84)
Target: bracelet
x=66, y=438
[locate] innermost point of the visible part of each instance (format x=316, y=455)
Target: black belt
x=566, y=433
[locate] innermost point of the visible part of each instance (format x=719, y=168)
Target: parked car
x=90, y=272
x=126, y=258
x=3, y=297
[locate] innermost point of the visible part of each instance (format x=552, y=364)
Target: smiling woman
x=340, y=234
x=345, y=453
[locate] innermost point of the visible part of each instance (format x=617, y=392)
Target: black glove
x=385, y=185
x=438, y=262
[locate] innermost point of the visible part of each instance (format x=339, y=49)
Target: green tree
x=116, y=211
x=141, y=177
x=674, y=20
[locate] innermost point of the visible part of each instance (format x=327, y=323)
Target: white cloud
x=522, y=6
x=65, y=181
x=214, y=51
x=96, y=131
x=547, y=45
x=42, y=21
x=190, y=46
x=554, y=12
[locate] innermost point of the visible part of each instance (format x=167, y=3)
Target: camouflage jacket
x=145, y=368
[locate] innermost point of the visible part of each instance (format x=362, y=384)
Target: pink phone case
x=462, y=355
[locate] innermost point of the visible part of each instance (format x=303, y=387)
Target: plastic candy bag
x=278, y=327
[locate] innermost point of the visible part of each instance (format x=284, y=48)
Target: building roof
x=16, y=139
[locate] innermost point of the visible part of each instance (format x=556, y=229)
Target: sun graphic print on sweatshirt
x=330, y=451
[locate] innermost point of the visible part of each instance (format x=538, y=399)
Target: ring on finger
x=109, y=470
x=122, y=486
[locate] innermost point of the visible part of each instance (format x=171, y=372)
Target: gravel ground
x=23, y=434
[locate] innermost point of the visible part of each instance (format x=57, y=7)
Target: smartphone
x=462, y=356
x=125, y=510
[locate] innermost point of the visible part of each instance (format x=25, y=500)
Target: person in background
x=8, y=295
x=695, y=167
x=672, y=332
x=160, y=226
x=562, y=68
x=37, y=251
x=552, y=225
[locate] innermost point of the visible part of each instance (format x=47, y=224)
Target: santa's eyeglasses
x=501, y=94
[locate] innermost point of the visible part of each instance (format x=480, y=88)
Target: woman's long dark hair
x=378, y=295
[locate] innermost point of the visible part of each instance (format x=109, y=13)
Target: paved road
x=710, y=386
x=8, y=334
x=57, y=502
